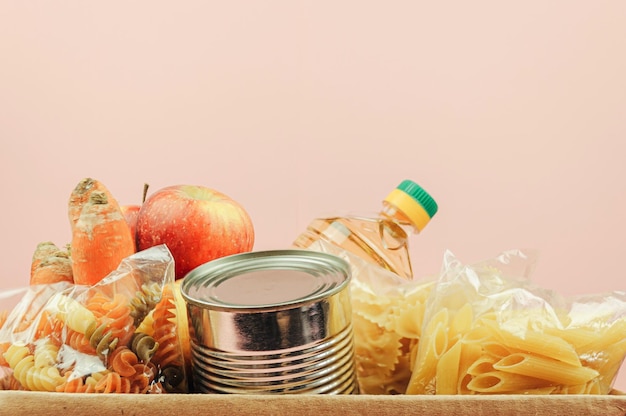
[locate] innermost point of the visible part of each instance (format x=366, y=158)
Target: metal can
x=271, y=322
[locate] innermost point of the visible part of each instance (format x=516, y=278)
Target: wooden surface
x=23, y=403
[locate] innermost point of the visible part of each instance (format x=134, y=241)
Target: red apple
x=131, y=212
x=198, y=224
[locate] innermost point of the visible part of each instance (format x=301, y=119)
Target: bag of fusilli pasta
x=489, y=330
x=119, y=336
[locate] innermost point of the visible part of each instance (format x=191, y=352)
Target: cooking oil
x=382, y=239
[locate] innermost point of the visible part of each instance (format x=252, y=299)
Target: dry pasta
x=72, y=313
x=33, y=372
x=79, y=342
x=485, y=358
x=387, y=331
x=537, y=342
x=169, y=356
x=76, y=385
x=447, y=370
x=378, y=351
x=144, y=346
x=545, y=368
x=482, y=364
x=112, y=382
x=486, y=331
x=144, y=301
x=147, y=324
x=101, y=339
x=433, y=344
x=499, y=382
x=122, y=361
x=84, y=339
x=387, y=319
x=118, y=318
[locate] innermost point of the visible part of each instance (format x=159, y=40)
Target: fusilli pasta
x=169, y=355
x=32, y=370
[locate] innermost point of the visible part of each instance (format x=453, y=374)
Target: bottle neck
x=392, y=212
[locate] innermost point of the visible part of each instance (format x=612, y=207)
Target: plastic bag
x=481, y=329
x=387, y=316
x=488, y=330
x=118, y=336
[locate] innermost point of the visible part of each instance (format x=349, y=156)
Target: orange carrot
x=80, y=196
x=50, y=265
x=42, y=251
x=101, y=239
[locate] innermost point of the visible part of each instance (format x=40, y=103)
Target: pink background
x=512, y=114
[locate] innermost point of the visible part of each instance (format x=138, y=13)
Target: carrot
x=42, y=251
x=50, y=264
x=101, y=238
x=80, y=196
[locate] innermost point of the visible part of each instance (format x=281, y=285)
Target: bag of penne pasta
x=488, y=330
x=120, y=335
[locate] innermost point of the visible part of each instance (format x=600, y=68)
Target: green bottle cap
x=420, y=195
x=414, y=202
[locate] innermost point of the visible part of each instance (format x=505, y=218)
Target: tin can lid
x=265, y=280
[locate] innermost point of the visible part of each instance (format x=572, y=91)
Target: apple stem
x=145, y=192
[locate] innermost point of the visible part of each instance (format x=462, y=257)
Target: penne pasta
x=482, y=365
x=470, y=352
x=463, y=383
x=432, y=347
x=538, y=343
x=447, y=373
x=498, y=382
x=441, y=318
x=439, y=342
x=579, y=338
x=461, y=322
x=478, y=335
x=545, y=369
x=496, y=350
x=613, y=334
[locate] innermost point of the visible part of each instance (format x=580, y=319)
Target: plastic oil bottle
x=382, y=239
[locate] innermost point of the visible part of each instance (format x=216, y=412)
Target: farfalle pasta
x=387, y=321
x=89, y=339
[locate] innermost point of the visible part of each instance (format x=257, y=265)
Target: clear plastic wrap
x=481, y=329
x=489, y=330
x=118, y=336
x=387, y=315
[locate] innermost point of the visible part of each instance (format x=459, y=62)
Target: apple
x=131, y=213
x=198, y=224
